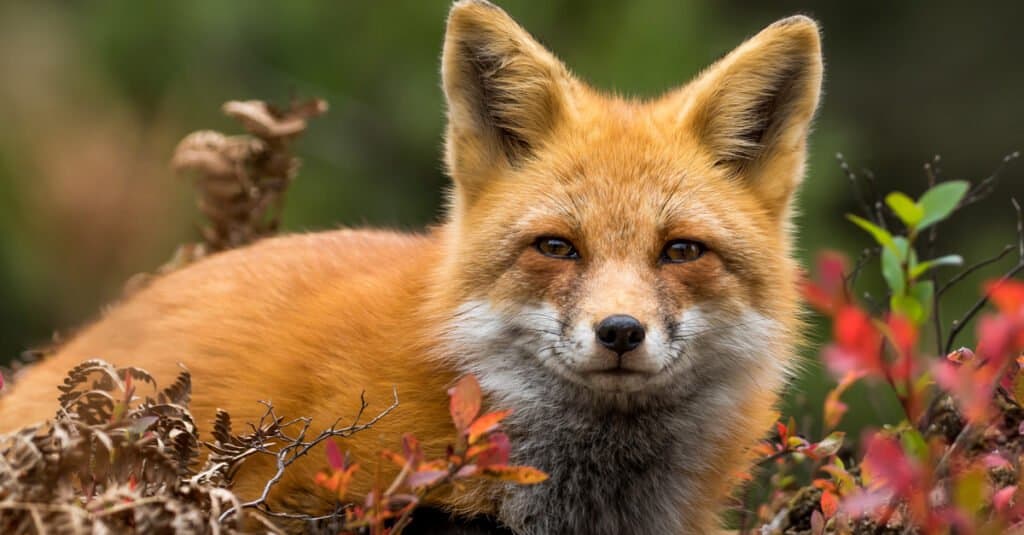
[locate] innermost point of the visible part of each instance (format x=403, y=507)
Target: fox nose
x=620, y=333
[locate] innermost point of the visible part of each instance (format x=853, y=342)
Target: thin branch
x=959, y=325
x=774, y=457
x=866, y=256
x=932, y=172
x=852, y=177
x=879, y=206
x=298, y=446
x=988, y=185
x=968, y=271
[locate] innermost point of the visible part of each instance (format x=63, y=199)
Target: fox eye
x=680, y=251
x=556, y=248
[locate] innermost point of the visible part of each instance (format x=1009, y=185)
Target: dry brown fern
x=115, y=461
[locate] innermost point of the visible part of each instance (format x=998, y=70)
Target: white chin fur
x=504, y=349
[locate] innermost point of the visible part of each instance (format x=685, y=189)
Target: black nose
x=620, y=333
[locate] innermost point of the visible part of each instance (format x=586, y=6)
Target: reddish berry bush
x=952, y=461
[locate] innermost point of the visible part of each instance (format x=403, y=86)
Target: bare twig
x=932, y=172
x=852, y=177
x=969, y=270
x=295, y=447
x=958, y=325
x=869, y=253
x=985, y=187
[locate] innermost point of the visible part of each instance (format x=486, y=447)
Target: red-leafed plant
x=953, y=462
x=480, y=451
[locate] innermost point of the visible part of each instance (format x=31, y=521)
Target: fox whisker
x=683, y=336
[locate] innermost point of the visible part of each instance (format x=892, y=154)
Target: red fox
x=617, y=272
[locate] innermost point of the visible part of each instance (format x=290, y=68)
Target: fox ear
x=753, y=109
x=505, y=92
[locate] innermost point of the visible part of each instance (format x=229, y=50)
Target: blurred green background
x=94, y=96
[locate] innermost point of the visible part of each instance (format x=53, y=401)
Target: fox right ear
x=505, y=92
x=753, y=108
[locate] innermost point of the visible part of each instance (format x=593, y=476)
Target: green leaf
x=901, y=247
x=924, y=267
x=940, y=201
x=908, y=306
x=880, y=235
x=914, y=444
x=830, y=445
x=970, y=490
x=892, y=271
x=905, y=208
x=923, y=292
x=1018, y=388
x=916, y=304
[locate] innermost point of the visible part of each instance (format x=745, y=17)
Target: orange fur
x=310, y=321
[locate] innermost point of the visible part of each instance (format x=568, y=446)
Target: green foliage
x=911, y=296
x=939, y=202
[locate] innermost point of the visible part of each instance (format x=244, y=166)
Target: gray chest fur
x=611, y=472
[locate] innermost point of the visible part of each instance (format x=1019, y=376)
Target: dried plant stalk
x=241, y=180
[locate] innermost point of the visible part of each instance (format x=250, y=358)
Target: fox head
x=617, y=245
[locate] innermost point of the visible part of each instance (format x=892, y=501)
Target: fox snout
x=620, y=333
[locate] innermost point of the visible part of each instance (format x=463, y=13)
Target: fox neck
x=611, y=471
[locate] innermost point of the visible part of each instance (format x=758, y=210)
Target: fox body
x=618, y=272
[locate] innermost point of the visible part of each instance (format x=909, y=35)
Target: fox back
x=618, y=272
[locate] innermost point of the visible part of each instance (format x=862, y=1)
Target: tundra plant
x=953, y=461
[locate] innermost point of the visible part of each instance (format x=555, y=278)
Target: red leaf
x=783, y=432
x=972, y=385
x=817, y=523
x=834, y=407
x=903, y=336
x=468, y=470
x=890, y=466
x=857, y=346
x=995, y=460
x=824, y=484
x=396, y=458
x=827, y=292
x=829, y=504
x=1008, y=295
x=866, y=502
x=334, y=457
x=328, y=481
x=765, y=448
x=465, y=401
x=524, y=475
x=903, y=333
x=997, y=338
x=1003, y=498
x=497, y=451
x=425, y=478
x=411, y=449
x=337, y=481
x=485, y=424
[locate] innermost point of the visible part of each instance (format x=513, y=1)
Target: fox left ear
x=505, y=93
x=752, y=110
